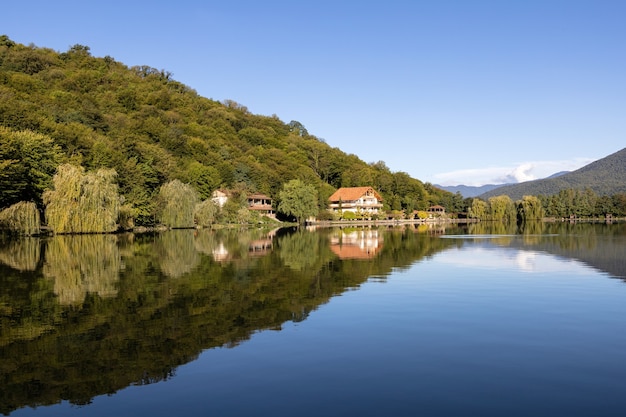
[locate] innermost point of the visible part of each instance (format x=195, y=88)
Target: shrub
x=348, y=215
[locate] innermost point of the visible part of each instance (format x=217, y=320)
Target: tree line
x=97, y=113
x=567, y=203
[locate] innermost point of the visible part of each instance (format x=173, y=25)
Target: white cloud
x=514, y=173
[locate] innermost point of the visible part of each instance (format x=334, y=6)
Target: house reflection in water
x=356, y=244
x=260, y=247
x=256, y=248
x=220, y=253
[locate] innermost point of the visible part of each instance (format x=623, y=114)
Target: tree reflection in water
x=86, y=315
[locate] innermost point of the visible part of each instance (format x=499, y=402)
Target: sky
x=451, y=92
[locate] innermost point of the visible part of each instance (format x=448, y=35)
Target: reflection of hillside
x=176, y=252
x=356, y=244
x=600, y=246
x=22, y=253
x=82, y=264
x=148, y=324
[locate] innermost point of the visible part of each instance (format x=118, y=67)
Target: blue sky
x=451, y=92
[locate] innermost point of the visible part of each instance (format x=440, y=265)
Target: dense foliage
x=150, y=129
x=176, y=204
x=27, y=162
x=22, y=218
x=82, y=202
x=567, y=203
x=299, y=200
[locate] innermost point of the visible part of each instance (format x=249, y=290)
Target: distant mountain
x=606, y=176
x=470, y=190
x=558, y=174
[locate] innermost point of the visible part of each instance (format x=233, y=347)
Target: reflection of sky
x=524, y=260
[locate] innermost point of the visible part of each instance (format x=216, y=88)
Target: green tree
x=206, y=213
x=205, y=179
x=530, y=208
x=176, y=204
x=21, y=218
x=502, y=208
x=82, y=202
x=478, y=209
x=298, y=128
x=28, y=160
x=299, y=200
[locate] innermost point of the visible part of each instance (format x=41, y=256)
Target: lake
x=428, y=320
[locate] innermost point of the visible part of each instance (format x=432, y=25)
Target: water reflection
x=176, y=253
x=82, y=316
x=356, y=243
x=22, y=254
x=82, y=264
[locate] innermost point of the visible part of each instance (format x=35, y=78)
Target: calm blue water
x=474, y=330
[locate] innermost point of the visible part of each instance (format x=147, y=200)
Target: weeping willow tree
x=82, y=202
x=21, y=218
x=529, y=208
x=206, y=213
x=502, y=209
x=176, y=204
x=478, y=210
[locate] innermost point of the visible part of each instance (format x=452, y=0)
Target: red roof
x=352, y=194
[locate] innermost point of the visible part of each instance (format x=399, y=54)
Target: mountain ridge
x=468, y=191
x=605, y=176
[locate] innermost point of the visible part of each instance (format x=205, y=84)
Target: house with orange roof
x=355, y=199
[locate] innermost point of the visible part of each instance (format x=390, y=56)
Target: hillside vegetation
x=605, y=177
x=97, y=113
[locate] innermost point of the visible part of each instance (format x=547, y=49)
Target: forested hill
x=58, y=107
x=606, y=176
x=470, y=190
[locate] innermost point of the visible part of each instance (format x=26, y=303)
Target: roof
x=221, y=193
x=258, y=196
x=352, y=193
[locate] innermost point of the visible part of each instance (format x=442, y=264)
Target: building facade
x=356, y=199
